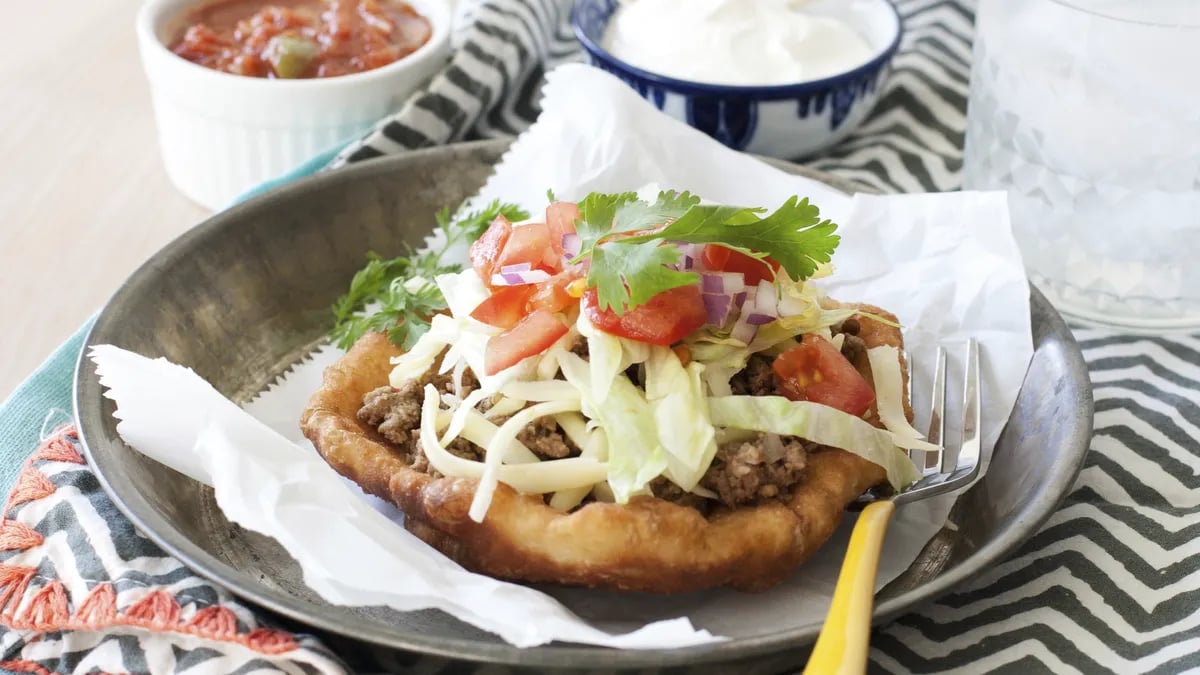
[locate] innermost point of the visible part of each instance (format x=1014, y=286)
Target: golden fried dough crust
x=647, y=545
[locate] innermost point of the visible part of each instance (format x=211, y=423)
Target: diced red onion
x=571, y=244
x=728, y=283
x=519, y=278
x=743, y=331
x=689, y=250
x=519, y=267
x=756, y=319
x=740, y=298
x=718, y=307
x=772, y=447
x=766, y=301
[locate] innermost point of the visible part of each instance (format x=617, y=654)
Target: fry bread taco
x=638, y=394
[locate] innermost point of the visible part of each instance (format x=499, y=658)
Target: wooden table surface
x=84, y=198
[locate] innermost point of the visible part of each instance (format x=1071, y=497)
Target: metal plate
x=244, y=295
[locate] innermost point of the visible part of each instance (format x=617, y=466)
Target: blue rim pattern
x=730, y=113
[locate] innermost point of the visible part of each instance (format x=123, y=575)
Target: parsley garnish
x=406, y=308
x=629, y=265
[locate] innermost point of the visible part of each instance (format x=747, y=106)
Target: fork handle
x=842, y=645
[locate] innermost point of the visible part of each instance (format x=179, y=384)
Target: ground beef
x=396, y=415
x=580, y=348
x=546, y=440
x=664, y=489
x=853, y=348
x=849, y=327
x=756, y=379
x=742, y=474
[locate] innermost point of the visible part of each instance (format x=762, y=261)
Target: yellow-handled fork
x=844, y=640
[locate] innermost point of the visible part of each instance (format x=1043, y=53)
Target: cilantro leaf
x=597, y=212
x=602, y=215
x=639, y=215
x=629, y=275
x=794, y=235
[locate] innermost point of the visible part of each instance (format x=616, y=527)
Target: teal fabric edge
x=44, y=399
x=306, y=169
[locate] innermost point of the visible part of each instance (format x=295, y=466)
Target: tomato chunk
x=667, y=318
x=505, y=306
x=816, y=371
x=532, y=335
x=560, y=219
x=552, y=293
x=530, y=244
x=485, y=252
x=722, y=259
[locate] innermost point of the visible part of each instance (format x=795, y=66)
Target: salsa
x=294, y=39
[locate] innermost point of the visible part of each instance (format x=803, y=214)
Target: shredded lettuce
x=819, y=424
x=635, y=455
x=605, y=357
x=464, y=291
x=608, y=355
x=680, y=406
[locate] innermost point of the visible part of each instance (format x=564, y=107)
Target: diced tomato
x=552, y=293
x=505, y=306
x=816, y=371
x=530, y=244
x=560, y=219
x=667, y=318
x=722, y=259
x=532, y=335
x=485, y=252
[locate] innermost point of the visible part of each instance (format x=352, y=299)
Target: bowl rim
x=440, y=16
x=87, y=399
x=773, y=91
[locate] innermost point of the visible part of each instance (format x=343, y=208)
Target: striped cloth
x=1110, y=584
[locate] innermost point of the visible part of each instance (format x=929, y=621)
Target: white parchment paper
x=945, y=264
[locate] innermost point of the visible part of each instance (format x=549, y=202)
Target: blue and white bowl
x=788, y=121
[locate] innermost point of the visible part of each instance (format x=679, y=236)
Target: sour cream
x=734, y=42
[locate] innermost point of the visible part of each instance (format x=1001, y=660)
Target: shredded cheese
x=530, y=478
x=596, y=448
x=498, y=448
x=889, y=398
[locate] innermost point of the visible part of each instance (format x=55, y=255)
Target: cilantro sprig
x=632, y=253
x=405, y=306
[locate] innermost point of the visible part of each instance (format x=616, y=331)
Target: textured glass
x=1088, y=113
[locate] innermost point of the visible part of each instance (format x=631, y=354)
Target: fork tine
x=968, y=453
x=908, y=368
x=936, y=461
x=917, y=456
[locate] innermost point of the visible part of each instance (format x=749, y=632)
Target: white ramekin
x=222, y=134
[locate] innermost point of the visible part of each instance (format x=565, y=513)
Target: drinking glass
x=1088, y=113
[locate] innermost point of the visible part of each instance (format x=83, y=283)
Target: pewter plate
x=246, y=294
